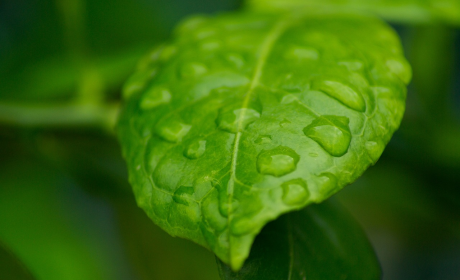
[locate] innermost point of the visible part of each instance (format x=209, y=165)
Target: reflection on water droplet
x=401, y=69
x=342, y=93
x=374, y=150
x=173, y=130
x=295, y=192
x=332, y=133
x=154, y=97
x=183, y=195
x=263, y=139
x=192, y=70
x=284, y=123
x=278, y=161
x=236, y=120
x=301, y=53
x=195, y=149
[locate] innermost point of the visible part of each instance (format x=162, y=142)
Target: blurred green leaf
x=11, y=268
x=321, y=242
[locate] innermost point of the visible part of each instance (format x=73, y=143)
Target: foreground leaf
x=408, y=11
x=245, y=117
x=321, y=242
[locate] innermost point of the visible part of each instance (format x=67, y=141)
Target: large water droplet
x=183, y=195
x=342, y=93
x=172, y=130
x=295, y=192
x=263, y=139
x=332, y=133
x=236, y=120
x=327, y=183
x=301, y=53
x=278, y=161
x=401, y=69
x=243, y=226
x=195, y=149
x=192, y=70
x=154, y=97
x=211, y=213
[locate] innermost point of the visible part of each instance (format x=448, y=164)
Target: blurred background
x=66, y=209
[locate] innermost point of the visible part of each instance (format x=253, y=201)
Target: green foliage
x=244, y=116
x=407, y=11
x=310, y=244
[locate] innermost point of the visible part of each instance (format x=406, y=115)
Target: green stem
x=60, y=115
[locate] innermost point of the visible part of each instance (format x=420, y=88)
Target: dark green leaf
x=321, y=242
x=244, y=117
x=11, y=267
x=409, y=11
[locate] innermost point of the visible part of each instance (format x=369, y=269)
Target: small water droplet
x=332, y=133
x=192, y=70
x=313, y=154
x=352, y=65
x=183, y=195
x=401, y=69
x=300, y=53
x=154, y=97
x=374, y=150
x=284, y=123
x=243, y=226
x=172, y=130
x=236, y=60
x=295, y=192
x=327, y=183
x=138, y=167
x=263, y=139
x=138, y=81
x=342, y=93
x=195, y=149
x=211, y=213
x=236, y=120
x=210, y=45
x=278, y=161
x=289, y=98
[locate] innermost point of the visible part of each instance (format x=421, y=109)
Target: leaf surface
x=321, y=241
x=243, y=117
x=406, y=11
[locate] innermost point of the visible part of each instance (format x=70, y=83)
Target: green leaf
x=11, y=267
x=244, y=117
x=406, y=11
x=320, y=242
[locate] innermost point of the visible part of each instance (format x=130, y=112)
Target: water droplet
x=195, y=149
x=401, y=69
x=352, y=65
x=278, y=161
x=289, y=98
x=332, y=133
x=301, y=53
x=327, y=183
x=263, y=139
x=342, y=93
x=211, y=213
x=210, y=45
x=236, y=60
x=183, y=195
x=295, y=192
x=191, y=24
x=374, y=150
x=192, y=70
x=205, y=33
x=138, y=81
x=313, y=154
x=284, y=123
x=243, y=226
x=172, y=130
x=154, y=97
x=236, y=120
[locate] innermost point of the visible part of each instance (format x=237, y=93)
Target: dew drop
x=352, y=65
x=278, y=161
x=342, y=93
x=195, y=149
x=327, y=183
x=211, y=213
x=374, y=150
x=243, y=226
x=284, y=123
x=154, y=97
x=289, y=98
x=236, y=60
x=332, y=133
x=183, y=195
x=313, y=154
x=173, y=130
x=301, y=53
x=295, y=192
x=192, y=70
x=263, y=139
x=210, y=45
x=401, y=69
x=236, y=120
x=138, y=81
